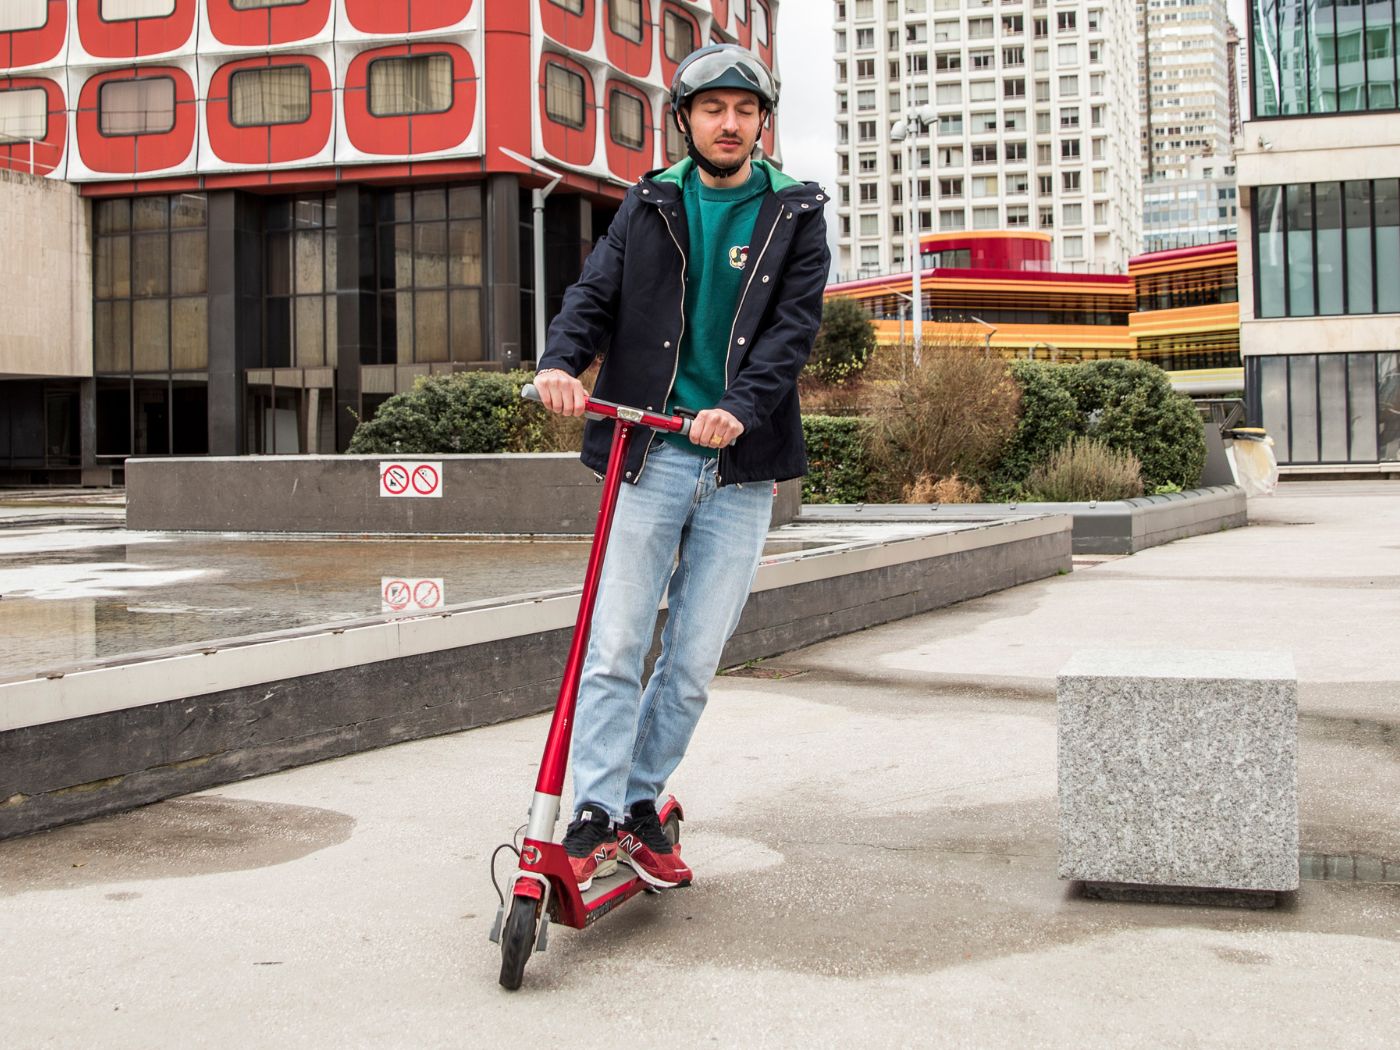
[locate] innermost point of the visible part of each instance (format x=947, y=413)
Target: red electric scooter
x=543, y=889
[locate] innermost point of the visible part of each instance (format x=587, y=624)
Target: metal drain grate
x=1348, y=867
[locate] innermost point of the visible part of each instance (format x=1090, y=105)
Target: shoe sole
x=648, y=877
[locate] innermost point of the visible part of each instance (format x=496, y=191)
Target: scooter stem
x=556, y=751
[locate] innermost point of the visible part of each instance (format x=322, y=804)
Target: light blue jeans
x=673, y=525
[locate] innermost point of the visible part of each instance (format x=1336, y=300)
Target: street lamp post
x=991, y=330
x=914, y=123
x=537, y=198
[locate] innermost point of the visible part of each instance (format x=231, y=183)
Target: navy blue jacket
x=629, y=305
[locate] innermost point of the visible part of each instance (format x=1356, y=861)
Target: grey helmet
x=713, y=68
x=722, y=66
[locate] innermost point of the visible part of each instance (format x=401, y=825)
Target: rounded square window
x=142, y=106
x=399, y=87
x=625, y=120
x=280, y=95
x=24, y=115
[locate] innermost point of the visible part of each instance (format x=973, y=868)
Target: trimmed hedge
x=468, y=412
x=838, y=459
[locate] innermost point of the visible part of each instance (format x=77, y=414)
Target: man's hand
x=560, y=392
x=715, y=428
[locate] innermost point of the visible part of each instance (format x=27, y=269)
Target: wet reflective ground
x=74, y=594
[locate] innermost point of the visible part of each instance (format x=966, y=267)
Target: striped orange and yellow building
x=1177, y=309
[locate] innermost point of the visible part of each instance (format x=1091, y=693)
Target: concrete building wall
x=45, y=278
x=1029, y=98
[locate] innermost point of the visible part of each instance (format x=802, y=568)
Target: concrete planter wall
x=160, y=724
x=534, y=493
x=1111, y=527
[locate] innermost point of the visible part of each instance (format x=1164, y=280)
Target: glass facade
x=1324, y=56
x=430, y=273
x=150, y=324
x=1328, y=408
x=299, y=283
x=1327, y=248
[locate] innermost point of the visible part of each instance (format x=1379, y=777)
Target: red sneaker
x=643, y=846
x=591, y=846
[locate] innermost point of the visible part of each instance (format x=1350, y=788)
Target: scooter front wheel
x=518, y=940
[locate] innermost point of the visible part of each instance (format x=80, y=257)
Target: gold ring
x=717, y=440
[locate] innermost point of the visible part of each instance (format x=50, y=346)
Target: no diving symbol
x=425, y=479
x=427, y=594
x=397, y=595
x=395, y=480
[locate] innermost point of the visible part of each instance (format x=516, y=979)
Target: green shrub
x=478, y=412
x=838, y=459
x=844, y=342
x=1085, y=469
x=1049, y=418
x=1131, y=405
x=1128, y=405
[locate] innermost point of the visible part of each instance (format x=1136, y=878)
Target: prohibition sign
x=427, y=594
x=395, y=480
x=425, y=480
x=396, y=595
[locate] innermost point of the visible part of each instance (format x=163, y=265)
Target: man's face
x=725, y=124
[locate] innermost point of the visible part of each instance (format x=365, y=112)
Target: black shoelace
x=583, y=836
x=648, y=829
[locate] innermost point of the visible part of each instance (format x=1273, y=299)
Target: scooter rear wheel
x=672, y=827
x=518, y=940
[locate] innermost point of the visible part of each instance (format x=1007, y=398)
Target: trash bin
x=1251, y=454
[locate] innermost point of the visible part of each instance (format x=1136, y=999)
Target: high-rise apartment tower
x=1034, y=126
x=1184, y=77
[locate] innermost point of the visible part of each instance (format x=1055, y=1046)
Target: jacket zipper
x=676, y=364
x=719, y=474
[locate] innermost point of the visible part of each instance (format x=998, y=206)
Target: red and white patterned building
x=301, y=205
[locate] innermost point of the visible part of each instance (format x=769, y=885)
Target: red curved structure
x=574, y=31
x=628, y=163
x=37, y=46
x=418, y=16
x=143, y=153
x=269, y=143
x=47, y=153
x=267, y=26
x=572, y=145
x=135, y=37
x=633, y=57
x=415, y=133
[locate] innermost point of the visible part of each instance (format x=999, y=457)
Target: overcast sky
x=807, y=68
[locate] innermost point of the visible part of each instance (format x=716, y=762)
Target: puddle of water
x=74, y=595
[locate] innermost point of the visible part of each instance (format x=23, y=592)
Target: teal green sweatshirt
x=721, y=224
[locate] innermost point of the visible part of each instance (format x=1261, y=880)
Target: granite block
x=1179, y=768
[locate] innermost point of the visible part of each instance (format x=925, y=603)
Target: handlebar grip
x=529, y=393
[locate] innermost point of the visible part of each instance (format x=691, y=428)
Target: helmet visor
x=709, y=71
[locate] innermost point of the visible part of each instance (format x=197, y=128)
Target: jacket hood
x=779, y=180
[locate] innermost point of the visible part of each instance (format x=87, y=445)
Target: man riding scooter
x=706, y=293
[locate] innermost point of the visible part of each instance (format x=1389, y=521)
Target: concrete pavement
x=874, y=840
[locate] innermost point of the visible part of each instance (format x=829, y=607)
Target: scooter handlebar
x=596, y=408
